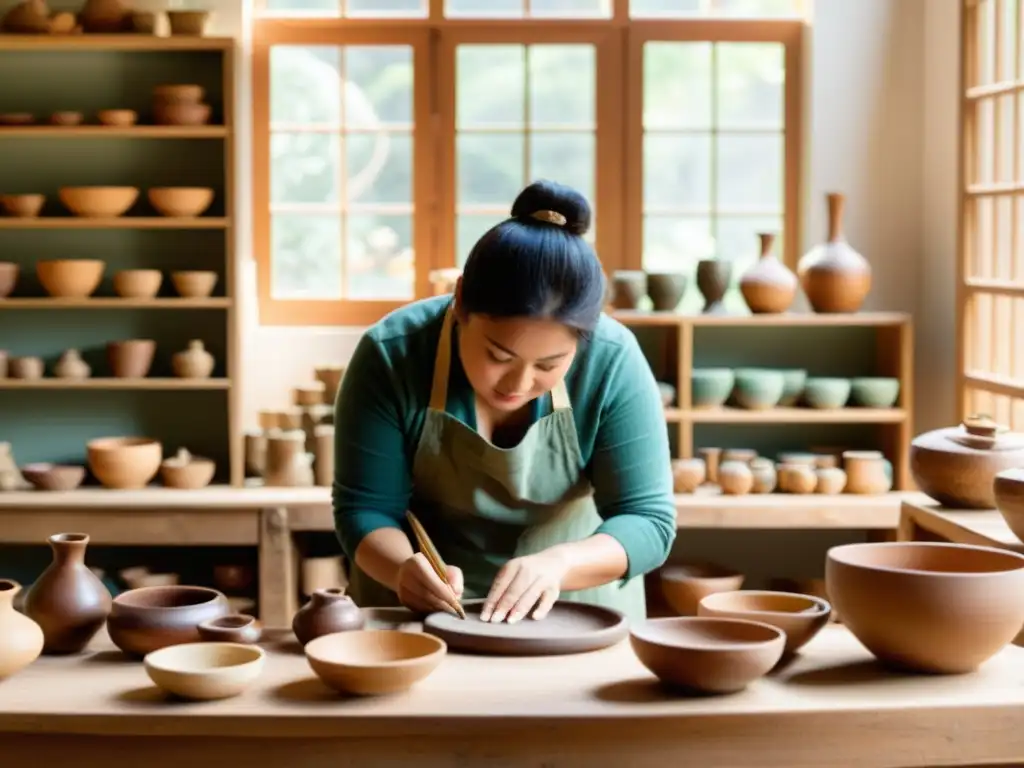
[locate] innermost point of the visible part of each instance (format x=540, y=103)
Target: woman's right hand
x=420, y=589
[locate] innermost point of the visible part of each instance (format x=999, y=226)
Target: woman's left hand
x=525, y=584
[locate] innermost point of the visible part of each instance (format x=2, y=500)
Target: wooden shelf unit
x=893, y=356
x=152, y=61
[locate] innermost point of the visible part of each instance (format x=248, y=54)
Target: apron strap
x=443, y=362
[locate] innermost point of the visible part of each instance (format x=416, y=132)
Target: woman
x=522, y=426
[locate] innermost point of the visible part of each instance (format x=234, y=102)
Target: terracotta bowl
x=17, y=118
x=1008, y=488
x=205, y=671
x=187, y=22
x=124, y=462
x=684, y=586
x=233, y=628
x=176, y=93
x=180, y=201
x=194, y=284
x=707, y=655
x=138, y=283
x=66, y=119
x=22, y=206
x=130, y=358
x=70, y=278
x=147, y=619
x=374, y=661
x=54, y=477
x=117, y=118
x=801, y=617
x=98, y=202
x=191, y=474
x=8, y=278
x=925, y=606
x=181, y=113
x=26, y=367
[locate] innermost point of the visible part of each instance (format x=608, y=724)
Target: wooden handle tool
x=434, y=558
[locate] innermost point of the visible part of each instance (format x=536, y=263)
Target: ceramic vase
x=328, y=611
x=194, y=362
x=628, y=288
x=71, y=366
x=769, y=286
x=835, y=277
x=21, y=639
x=666, y=290
x=713, y=276
x=67, y=600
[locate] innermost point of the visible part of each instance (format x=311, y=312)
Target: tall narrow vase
x=67, y=600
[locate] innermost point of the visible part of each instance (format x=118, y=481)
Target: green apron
x=483, y=505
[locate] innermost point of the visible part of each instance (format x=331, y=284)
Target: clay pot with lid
x=957, y=466
x=150, y=618
x=21, y=639
x=68, y=601
x=769, y=286
x=835, y=277
x=328, y=611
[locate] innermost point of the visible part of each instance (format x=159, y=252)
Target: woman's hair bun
x=544, y=195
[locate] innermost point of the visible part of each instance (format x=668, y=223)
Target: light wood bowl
x=98, y=202
x=205, y=671
x=124, y=462
x=138, y=283
x=801, y=617
x=374, y=661
x=22, y=206
x=117, y=118
x=180, y=201
x=178, y=93
x=70, y=278
x=194, y=284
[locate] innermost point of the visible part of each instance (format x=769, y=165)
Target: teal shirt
x=616, y=405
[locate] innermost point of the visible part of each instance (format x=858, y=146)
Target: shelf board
x=798, y=416
x=673, y=415
x=119, y=222
x=112, y=383
x=105, y=302
x=120, y=42
x=785, y=320
x=112, y=132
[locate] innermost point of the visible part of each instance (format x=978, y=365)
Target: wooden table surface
x=982, y=527
x=832, y=705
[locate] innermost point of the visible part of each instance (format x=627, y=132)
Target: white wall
x=881, y=123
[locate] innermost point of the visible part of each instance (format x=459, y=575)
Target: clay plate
x=568, y=628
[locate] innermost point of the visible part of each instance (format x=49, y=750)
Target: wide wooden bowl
x=205, y=671
x=98, y=202
x=374, y=661
x=70, y=278
x=180, y=201
x=124, y=462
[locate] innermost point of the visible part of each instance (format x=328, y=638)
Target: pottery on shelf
x=124, y=462
x=707, y=655
x=287, y=464
x=68, y=601
x=195, y=283
x=194, y=362
x=801, y=617
x=826, y=393
x=330, y=376
x=180, y=201
x=711, y=457
x=710, y=387
x=21, y=639
x=70, y=278
x=769, y=286
x=323, y=444
x=793, y=381
x=374, y=661
x=131, y=358
x=255, y=453
x=796, y=478
x=957, y=466
x=684, y=586
x=628, y=288
x=735, y=478
x=117, y=118
x=187, y=472
x=8, y=278
x=138, y=283
x=11, y=478
x=666, y=290
x=834, y=276
x=758, y=389
x=27, y=206
x=875, y=391
x=104, y=16
x=328, y=611
x=927, y=606
x=830, y=480
x=233, y=577
x=205, y=671
x=713, y=276
x=29, y=368
x=688, y=474
x=233, y=628
x=149, y=618
x=308, y=395
x=742, y=455
x=867, y=472
x=54, y=477
x=765, y=478
x=98, y=202
x=71, y=366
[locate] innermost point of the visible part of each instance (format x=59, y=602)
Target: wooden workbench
x=832, y=706
x=926, y=520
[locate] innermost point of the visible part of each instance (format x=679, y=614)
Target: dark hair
x=529, y=266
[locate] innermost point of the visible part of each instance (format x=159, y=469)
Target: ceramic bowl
x=666, y=290
x=180, y=201
x=374, y=661
x=205, y=671
x=826, y=393
x=758, y=388
x=26, y=206
x=117, y=118
x=710, y=387
x=138, y=283
x=801, y=617
x=8, y=278
x=233, y=628
x=927, y=606
x=793, y=380
x=684, y=586
x=629, y=287
x=98, y=202
x=181, y=113
x=70, y=278
x=54, y=477
x=150, y=618
x=875, y=391
x=187, y=474
x=124, y=462
x=707, y=655
x=194, y=284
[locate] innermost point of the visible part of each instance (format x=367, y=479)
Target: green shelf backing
x=823, y=351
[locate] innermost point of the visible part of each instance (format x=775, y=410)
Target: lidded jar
x=957, y=466
x=328, y=611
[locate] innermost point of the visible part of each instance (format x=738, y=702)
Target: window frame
x=969, y=287
x=618, y=164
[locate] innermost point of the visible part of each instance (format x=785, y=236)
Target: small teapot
x=328, y=611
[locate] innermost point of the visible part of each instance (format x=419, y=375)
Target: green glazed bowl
x=758, y=389
x=710, y=387
x=792, y=386
x=826, y=393
x=875, y=391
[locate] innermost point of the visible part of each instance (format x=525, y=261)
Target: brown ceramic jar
x=957, y=466
x=835, y=277
x=21, y=639
x=150, y=618
x=328, y=611
x=68, y=601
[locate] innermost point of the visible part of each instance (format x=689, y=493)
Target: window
x=991, y=284
x=390, y=134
